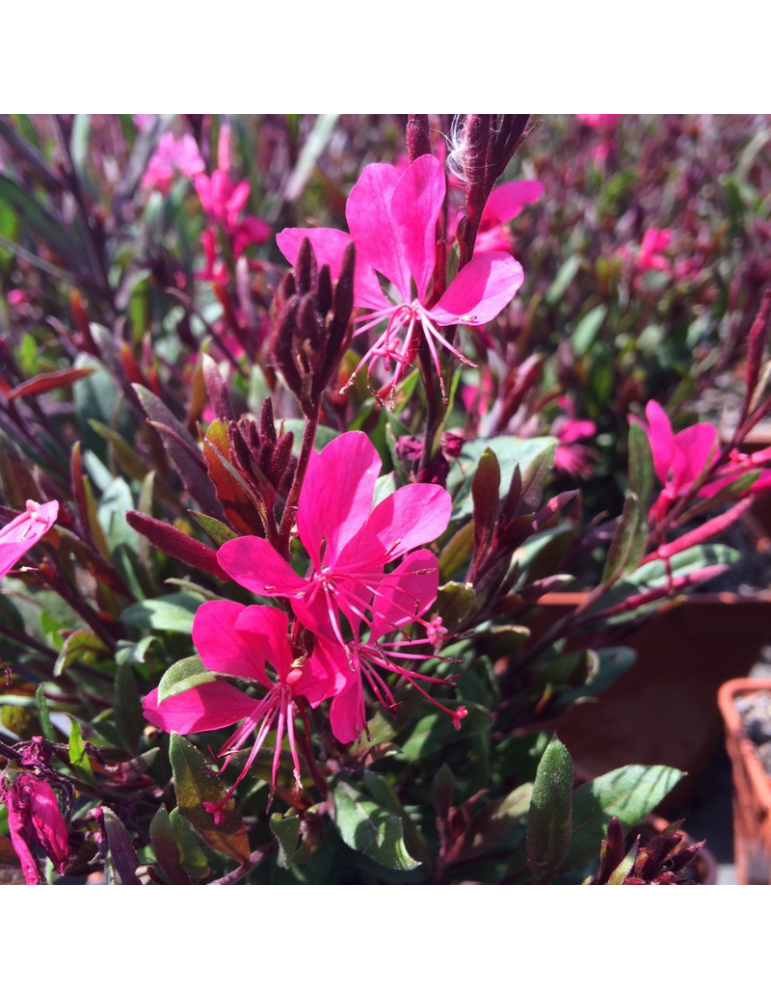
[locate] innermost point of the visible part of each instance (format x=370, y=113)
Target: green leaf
x=496, y=821
x=286, y=830
x=317, y=140
x=564, y=277
x=587, y=329
x=216, y=530
x=173, y=613
x=127, y=708
x=640, y=464
x=629, y=793
x=527, y=453
x=628, y=543
x=549, y=818
x=384, y=487
x=542, y=554
x=43, y=224
x=196, y=783
x=21, y=720
x=78, y=646
x=367, y=822
x=122, y=861
x=79, y=761
x=613, y=661
x=165, y=848
x=192, y=856
x=453, y=602
x=134, y=652
x=653, y=575
x=485, y=492
x=456, y=552
x=45, y=718
x=323, y=434
x=183, y=675
x=435, y=729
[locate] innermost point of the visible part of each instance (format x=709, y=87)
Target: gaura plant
x=273, y=573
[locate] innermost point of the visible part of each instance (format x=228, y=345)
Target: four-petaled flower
x=349, y=542
x=243, y=642
x=392, y=217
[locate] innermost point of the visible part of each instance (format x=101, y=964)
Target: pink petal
x=250, y=230
x=376, y=234
x=506, y=201
x=574, y=430
x=329, y=246
x=693, y=448
x=203, y=188
x=23, y=852
x=406, y=593
x=236, y=202
x=415, y=206
x=329, y=658
x=479, y=292
x=336, y=497
x=346, y=714
x=255, y=564
x=20, y=534
x=662, y=439
x=323, y=675
x=265, y=630
x=209, y=706
x=49, y=823
x=413, y=515
x=222, y=649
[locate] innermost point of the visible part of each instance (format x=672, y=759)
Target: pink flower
x=242, y=641
x=34, y=819
x=569, y=456
x=172, y=154
x=678, y=459
x=599, y=121
x=17, y=297
x=20, y=534
x=348, y=541
x=504, y=204
x=392, y=217
x=683, y=458
x=650, y=256
x=418, y=579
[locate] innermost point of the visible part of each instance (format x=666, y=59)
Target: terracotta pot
x=752, y=788
x=663, y=709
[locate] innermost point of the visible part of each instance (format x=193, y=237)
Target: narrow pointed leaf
x=122, y=858
x=165, y=848
x=196, y=783
x=549, y=818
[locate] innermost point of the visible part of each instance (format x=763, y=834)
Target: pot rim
x=745, y=753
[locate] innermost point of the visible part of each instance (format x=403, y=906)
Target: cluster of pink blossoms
x=343, y=610
x=223, y=201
